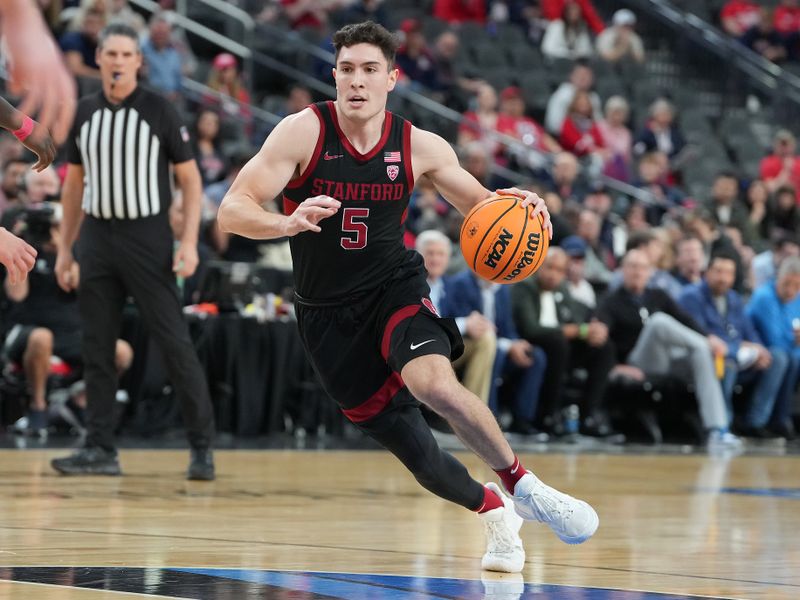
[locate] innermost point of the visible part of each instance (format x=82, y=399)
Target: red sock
x=490, y=501
x=512, y=475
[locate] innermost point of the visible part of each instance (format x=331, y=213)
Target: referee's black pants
x=120, y=258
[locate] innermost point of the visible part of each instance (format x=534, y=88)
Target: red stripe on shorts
x=378, y=401
x=399, y=316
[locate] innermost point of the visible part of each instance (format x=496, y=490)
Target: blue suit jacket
x=463, y=295
x=734, y=328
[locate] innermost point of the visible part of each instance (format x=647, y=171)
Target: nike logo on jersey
x=327, y=156
x=415, y=346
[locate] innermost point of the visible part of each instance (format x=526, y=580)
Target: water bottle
x=571, y=419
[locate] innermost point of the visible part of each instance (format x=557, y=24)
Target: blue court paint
x=352, y=586
x=793, y=493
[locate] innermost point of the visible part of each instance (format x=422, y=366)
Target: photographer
x=46, y=319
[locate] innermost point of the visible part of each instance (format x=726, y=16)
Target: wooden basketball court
x=669, y=524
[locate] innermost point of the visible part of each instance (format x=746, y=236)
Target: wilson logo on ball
x=499, y=248
x=527, y=257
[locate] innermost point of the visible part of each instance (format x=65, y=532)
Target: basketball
x=500, y=242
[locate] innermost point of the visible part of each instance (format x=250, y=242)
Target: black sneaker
x=90, y=460
x=201, y=465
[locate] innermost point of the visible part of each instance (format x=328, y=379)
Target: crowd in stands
x=636, y=287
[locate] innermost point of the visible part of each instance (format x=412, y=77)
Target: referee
x=122, y=143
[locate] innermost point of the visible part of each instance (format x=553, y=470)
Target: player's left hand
x=531, y=199
x=185, y=261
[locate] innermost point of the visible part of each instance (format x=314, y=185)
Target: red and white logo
x=429, y=305
x=392, y=171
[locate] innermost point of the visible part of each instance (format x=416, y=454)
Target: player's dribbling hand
x=531, y=199
x=309, y=213
x=17, y=255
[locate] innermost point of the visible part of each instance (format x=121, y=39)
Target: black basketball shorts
x=358, y=348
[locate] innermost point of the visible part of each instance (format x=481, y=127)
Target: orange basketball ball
x=501, y=242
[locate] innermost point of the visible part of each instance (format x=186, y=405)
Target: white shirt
x=548, y=317
x=556, y=44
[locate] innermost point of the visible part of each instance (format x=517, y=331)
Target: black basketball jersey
x=362, y=244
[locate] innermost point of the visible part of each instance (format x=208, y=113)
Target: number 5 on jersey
x=353, y=224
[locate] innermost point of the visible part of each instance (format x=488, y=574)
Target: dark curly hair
x=367, y=32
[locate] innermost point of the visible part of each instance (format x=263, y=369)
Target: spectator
x=310, y=13
x=364, y=10
x=553, y=9
x=612, y=232
x=549, y=318
x=46, y=323
x=525, y=14
x=652, y=177
x=579, y=288
x=757, y=202
x=690, y=261
x=426, y=207
x=12, y=173
x=737, y=16
x=561, y=226
x=721, y=311
x=775, y=311
x=121, y=12
x=762, y=38
x=636, y=217
x=34, y=188
x=451, y=82
x=617, y=138
x=480, y=125
x=568, y=36
x=210, y=159
x=480, y=341
x=655, y=248
x=660, y=133
x=701, y=224
x=787, y=17
x=649, y=330
x=621, y=42
x=163, y=62
x=598, y=259
x=459, y=11
x=785, y=213
x=232, y=98
x=564, y=177
x=518, y=124
x=413, y=58
x=782, y=167
x=580, y=133
x=80, y=43
x=766, y=264
x=581, y=78
x=726, y=209
x=468, y=294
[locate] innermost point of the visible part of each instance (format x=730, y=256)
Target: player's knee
x=40, y=341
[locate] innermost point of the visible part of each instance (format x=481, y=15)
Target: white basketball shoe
x=572, y=520
x=504, y=551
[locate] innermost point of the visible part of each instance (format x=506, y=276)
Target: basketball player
x=346, y=169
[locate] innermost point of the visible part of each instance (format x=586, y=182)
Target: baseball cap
x=224, y=60
x=510, y=92
x=410, y=25
x=624, y=17
x=574, y=246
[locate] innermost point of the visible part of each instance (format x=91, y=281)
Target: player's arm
x=71, y=218
x=34, y=136
x=287, y=149
x=434, y=157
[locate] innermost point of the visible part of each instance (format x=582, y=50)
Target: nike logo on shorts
x=415, y=346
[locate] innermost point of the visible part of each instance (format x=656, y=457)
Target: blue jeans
x=526, y=398
x=783, y=407
x=766, y=392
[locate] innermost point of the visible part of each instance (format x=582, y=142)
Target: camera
x=37, y=221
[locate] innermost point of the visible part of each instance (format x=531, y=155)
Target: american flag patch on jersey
x=391, y=157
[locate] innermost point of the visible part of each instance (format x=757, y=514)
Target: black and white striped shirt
x=126, y=151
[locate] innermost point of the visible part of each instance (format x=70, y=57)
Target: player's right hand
x=65, y=272
x=41, y=144
x=17, y=255
x=309, y=213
